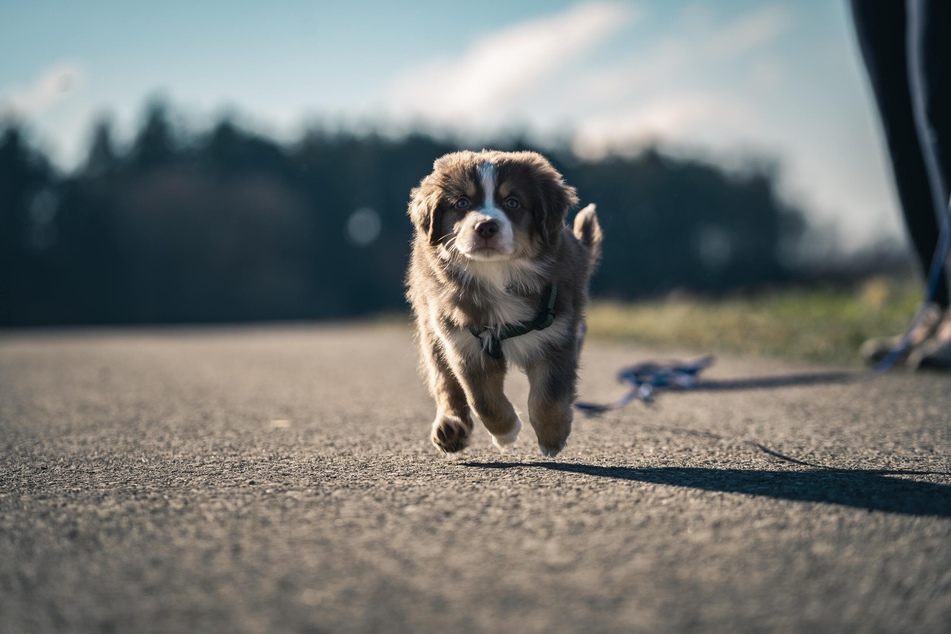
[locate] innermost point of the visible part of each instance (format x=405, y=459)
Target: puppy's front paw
x=450, y=433
x=504, y=441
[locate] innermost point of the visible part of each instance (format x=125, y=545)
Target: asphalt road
x=270, y=479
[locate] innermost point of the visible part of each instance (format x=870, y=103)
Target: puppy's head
x=491, y=205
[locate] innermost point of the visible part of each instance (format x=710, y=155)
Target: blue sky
x=725, y=79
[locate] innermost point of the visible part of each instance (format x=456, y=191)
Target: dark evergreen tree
x=28, y=208
x=155, y=143
x=101, y=158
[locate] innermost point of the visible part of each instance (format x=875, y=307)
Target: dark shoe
x=933, y=358
x=935, y=353
x=876, y=349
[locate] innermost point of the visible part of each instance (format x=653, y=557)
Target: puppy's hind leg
x=550, y=397
x=452, y=428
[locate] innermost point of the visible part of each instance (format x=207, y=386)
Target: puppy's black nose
x=487, y=228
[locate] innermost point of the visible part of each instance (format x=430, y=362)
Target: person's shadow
x=874, y=490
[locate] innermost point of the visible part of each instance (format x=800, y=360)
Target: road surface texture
x=280, y=479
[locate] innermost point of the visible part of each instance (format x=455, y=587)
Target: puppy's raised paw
x=450, y=433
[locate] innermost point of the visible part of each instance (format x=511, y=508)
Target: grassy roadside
x=825, y=325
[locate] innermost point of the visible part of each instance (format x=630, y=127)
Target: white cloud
x=637, y=75
x=699, y=44
x=681, y=116
x=53, y=85
x=501, y=67
x=749, y=32
x=665, y=94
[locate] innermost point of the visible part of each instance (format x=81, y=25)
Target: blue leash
x=647, y=378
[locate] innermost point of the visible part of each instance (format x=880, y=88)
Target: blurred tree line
x=228, y=225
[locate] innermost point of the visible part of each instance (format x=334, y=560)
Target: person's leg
x=934, y=18
x=929, y=52
x=882, y=28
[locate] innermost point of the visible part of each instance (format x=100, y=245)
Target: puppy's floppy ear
x=556, y=199
x=425, y=212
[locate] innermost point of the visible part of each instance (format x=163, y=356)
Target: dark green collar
x=492, y=345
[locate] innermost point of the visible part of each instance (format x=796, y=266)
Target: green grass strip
x=819, y=324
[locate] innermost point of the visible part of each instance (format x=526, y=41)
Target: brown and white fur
x=490, y=238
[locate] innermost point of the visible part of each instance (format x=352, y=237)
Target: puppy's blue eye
x=511, y=203
x=463, y=203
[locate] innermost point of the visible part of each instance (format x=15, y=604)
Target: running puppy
x=496, y=277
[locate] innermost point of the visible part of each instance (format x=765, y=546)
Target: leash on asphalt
x=646, y=379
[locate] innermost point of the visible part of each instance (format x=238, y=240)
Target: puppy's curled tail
x=588, y=231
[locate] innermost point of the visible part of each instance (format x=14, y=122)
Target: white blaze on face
x=487, y=176
x=502, y=244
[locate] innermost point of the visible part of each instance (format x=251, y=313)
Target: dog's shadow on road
x=889, y=491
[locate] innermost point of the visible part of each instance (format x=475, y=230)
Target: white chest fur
x=498, y=289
